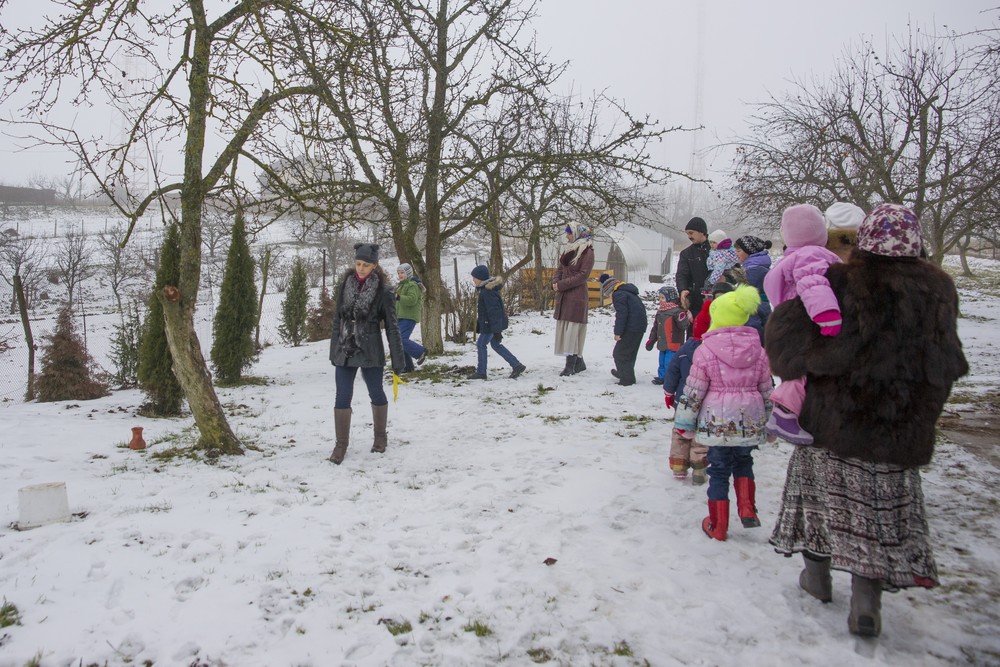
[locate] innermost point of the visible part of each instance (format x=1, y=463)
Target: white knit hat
x=718, y=235
x=843, y=215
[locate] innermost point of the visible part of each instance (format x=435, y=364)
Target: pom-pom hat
x=733, y=309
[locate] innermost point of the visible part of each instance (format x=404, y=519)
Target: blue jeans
x=493, y=340
x=411, y=348
x=344, y=376
x=665, y=357
x=724, y=462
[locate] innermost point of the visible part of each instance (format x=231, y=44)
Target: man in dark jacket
x=692, y=270
x=630, y=326
x=491, y=321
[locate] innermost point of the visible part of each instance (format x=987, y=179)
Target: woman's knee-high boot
x=342, y=427
x=380, y=415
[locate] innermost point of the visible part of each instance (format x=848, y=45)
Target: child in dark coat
x=685, y=452
x=630, y=326
x=669, y=329
x=491, y=320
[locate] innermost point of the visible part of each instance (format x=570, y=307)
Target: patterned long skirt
x=868, y=518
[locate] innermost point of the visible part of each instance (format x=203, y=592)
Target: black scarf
x=356, y=300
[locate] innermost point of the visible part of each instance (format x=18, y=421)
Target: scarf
x=577, y=247
x=356, y=302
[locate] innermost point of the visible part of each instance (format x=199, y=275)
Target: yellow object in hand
x=396, y=381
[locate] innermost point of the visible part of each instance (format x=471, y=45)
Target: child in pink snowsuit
x=801, y=273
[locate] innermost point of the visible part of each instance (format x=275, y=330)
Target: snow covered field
x=281, y=558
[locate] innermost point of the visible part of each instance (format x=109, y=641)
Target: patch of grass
x=637, y=419
x=597, y=419
x=171, y=453
x=156, y=508
x=246, y=381
x=542, y=389
x=424, y=617
x=622, y=648
x=396, y=627
x=300, y=630
x=537, y=332
x=554, y=419
x=36, y=661
x=478, y=628
x=9, y=615
x=539, y=655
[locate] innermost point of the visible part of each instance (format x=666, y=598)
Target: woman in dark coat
x=854, y=501
x=365, y=304
x=569, y=281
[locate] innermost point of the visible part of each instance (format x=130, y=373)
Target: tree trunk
x=22, y=306
x=265, y=267
x=192, y=374
x=963, y=248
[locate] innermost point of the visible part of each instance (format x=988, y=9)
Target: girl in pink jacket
x=725, y=406
x=801, y=273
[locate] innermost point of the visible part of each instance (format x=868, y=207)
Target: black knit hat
x=481, y=272
x=696, y=224
x=366, y=252
x=752, y=244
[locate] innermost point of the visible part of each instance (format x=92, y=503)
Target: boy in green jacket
x=409, y=307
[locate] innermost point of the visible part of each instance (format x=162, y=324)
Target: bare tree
x=416, y=118
x=22, y=256
x=122, y=264
x=74, y=262
x=918, y=125
x=204, y=75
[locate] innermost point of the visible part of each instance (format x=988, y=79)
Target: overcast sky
x=644, y=52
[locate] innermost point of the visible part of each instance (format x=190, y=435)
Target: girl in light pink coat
x=801, y=273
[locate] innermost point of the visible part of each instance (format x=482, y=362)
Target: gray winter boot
x=580, y=366
x=570, y=368
x=380, y=415
x=815, y=579
x=866, y=607
x=342, y=427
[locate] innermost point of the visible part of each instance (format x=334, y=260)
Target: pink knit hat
x=803, y=225
x=891, y=230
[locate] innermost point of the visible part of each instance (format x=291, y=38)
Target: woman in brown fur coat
x=854, y=501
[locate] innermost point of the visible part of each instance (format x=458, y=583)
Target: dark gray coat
x=382, y=313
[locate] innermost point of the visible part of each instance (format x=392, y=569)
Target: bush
x=233, y=348
x=319, y=326
x=125, y=343
x=68, y=372
x=295, y=308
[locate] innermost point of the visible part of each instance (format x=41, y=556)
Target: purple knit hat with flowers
x=891, y=230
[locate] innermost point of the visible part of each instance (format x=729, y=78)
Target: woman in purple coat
x=572, y=300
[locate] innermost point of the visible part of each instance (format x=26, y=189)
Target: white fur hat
x=843, y=215
x=718, y=235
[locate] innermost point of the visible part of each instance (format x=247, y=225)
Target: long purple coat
x=571, y=278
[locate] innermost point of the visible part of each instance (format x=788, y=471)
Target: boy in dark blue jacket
x=491, y=321
x=630, y=326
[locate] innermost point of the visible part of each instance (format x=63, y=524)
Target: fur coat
x=875, y=391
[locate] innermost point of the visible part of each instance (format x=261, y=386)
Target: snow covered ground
x=281, y=558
